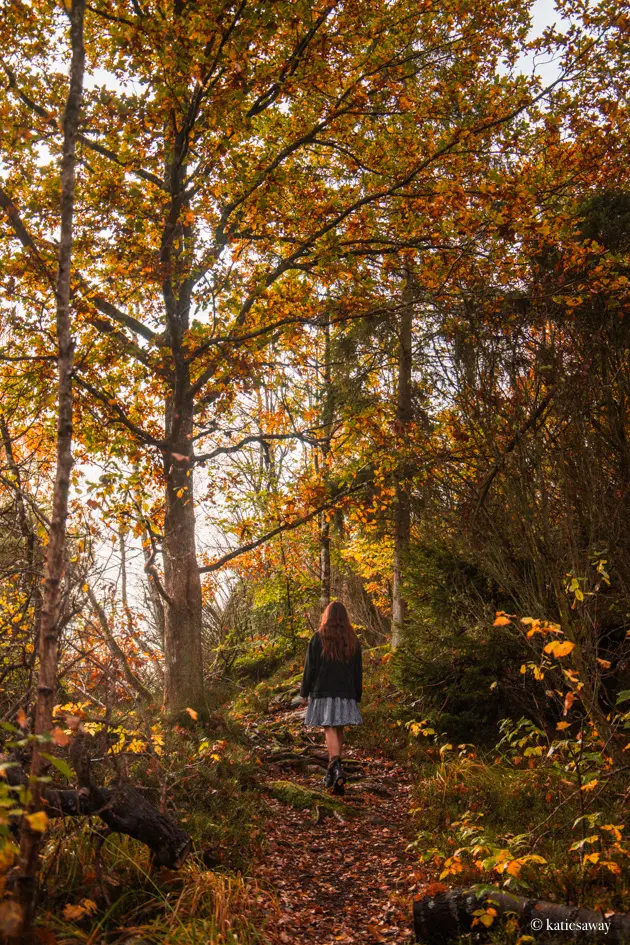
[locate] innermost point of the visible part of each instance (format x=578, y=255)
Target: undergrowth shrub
x=453, y=663
x=194, y=906
x=532, y=815
x=468, y=682
x=262, y=659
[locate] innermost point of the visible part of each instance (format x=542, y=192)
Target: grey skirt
x=331, y=711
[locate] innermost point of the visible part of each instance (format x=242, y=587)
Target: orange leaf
x=45, y=937
x=60, y=738
x=10, y=918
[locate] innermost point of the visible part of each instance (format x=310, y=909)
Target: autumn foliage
x=302, y=301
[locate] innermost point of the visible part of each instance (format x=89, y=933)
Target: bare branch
x=254, y=438
x=115, y=649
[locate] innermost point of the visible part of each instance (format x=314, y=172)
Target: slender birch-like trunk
x=402, y=510
x=327, y=422
x=31, y=839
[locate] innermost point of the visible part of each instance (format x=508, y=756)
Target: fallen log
x=122, y=808
x=125, y=810
x=441, y=918
x=370, y=786
x=296, y=758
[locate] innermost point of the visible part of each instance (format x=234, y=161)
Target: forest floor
x=340, y=868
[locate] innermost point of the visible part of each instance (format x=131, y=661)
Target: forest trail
x=342, y=875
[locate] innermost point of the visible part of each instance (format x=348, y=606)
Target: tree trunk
x=324, y=562
x=442, y=918
x=402, y=510
x=327, y=422
x=183, y=676
x=31, y=840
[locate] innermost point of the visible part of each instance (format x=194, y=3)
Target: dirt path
x=346, y=877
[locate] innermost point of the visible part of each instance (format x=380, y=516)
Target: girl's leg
x=332, y=741
x=339, y=730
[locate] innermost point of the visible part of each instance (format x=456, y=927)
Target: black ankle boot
x=339, y=777
x=329, y=777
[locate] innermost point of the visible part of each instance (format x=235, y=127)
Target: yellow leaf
x=612, y=866
x=562, y=725
x=558, y=648
x=606, y=664
x=501, y=622
x=590, y=786
x=216, y=757
x=194, y=715
x=37, y=821
x=514, y=868
x=486, y=920
x=591, y=858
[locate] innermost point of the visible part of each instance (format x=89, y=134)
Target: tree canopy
x=325, y=300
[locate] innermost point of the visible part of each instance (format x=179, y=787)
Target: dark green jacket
x=323, y=677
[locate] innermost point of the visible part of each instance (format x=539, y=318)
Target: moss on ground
x=301, y=798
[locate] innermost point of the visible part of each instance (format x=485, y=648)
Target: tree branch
x=516, y=439
x=286, y=527
x=254, y=438
x=115, y=649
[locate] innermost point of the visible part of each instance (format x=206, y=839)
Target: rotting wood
x=442, y=918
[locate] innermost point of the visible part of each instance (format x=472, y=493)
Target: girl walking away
x=333, y=684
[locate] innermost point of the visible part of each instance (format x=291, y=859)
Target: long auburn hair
x=339, y=641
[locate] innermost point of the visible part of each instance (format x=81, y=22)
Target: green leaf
x=623, y=696
x=60, y=765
